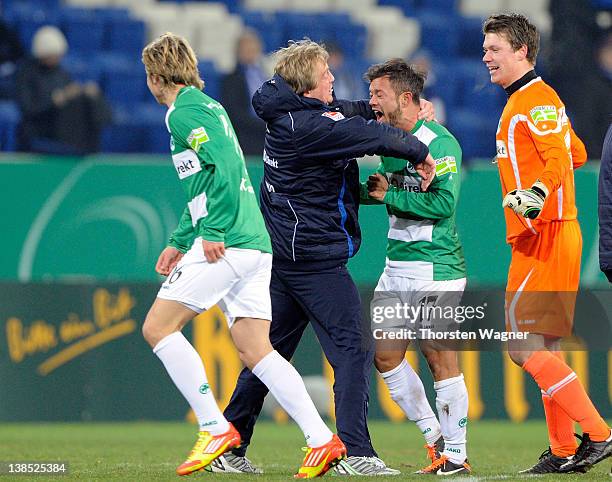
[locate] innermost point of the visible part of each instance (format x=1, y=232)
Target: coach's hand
x=527, y=202
x=377, y=186
x=427, y=111
x=427, y=170
x=213, y=250
x=167, y=260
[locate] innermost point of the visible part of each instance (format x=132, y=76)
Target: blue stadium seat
x=83, y=29
x=125, y=35
x=443, y=6
x=446, y=85
x=269, y=26
x=470, y=32
x=300, y=25
x=156, y=136
x=126, y=134
x=475, y=134
x=81, y=69
x=476, y=90
x=439, y=33
x=9, y=120
x=212, y=79
x=27, y=18
x=122, y=78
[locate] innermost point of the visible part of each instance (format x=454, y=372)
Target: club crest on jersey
x=446, y=164
x=197, y=137
x=335, y=116
x=543, y=113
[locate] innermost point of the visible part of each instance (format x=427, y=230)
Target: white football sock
x=186, y=369
x=452, y=405
x=286, y=385
x=406, y=389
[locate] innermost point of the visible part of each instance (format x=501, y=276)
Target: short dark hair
x=518, y=31
x=403, y=77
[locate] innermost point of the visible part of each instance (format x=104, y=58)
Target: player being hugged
x=537, y=152
x=425, y=265
x=219, y=254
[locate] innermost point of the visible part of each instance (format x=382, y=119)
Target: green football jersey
x=423, y=242
x=221, y=203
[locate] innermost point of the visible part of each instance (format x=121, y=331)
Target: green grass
x=150, y=451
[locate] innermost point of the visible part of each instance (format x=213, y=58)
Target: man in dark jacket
x=237, y=89
x=59, y=115
x=605, y=207
x=309, y=198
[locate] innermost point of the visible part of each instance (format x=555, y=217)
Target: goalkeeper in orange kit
x=537, y=151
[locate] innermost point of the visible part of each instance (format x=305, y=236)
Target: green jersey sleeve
x=183, y=235
x=440, y=200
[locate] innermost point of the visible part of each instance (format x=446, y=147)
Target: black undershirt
x=524, y=80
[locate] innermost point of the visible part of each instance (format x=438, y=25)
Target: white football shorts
x=421, y=302
x=239, y=283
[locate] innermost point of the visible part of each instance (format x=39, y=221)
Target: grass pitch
x=150, y=451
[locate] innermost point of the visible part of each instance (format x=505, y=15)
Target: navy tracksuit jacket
x=309, y=198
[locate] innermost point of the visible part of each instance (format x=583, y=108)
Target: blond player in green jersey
x=219, y=254
x=425, y=267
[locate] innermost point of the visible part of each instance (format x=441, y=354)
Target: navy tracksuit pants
x=330, y=301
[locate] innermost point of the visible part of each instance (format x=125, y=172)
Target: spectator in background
x=11, y=51
x=59, y=115
x=237, y=90
x=574, y=70
x=348, y=83
x=422, y=62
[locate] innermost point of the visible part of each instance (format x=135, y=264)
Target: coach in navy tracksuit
x=310, y=197
x=605, y=207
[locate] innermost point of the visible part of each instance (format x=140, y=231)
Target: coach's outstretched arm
x=355, y=137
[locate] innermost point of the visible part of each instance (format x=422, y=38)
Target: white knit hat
x=49, y=41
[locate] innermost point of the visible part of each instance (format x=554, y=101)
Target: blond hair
x=296, y=64
x=173, y=60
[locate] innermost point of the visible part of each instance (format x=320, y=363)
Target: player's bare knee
x=519, y=357
x=387, y=361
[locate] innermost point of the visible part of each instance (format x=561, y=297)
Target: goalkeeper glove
x=527, y=202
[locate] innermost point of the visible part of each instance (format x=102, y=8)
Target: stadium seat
x=443, y=6
x=81, y=69
x=470, y=33
x=27, y=18
x=211, y=77
x=125, y=35
x=407, y=6
x=476, y=90
x=83, y=29
x=9, y=120
x=439, y=33
x=156, y=137
x=446, y=82
x=475, y=134
x=267, y=25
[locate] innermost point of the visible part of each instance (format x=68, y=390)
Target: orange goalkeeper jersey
x=535, y=140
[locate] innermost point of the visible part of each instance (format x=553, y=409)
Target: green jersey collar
x=417, y=126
